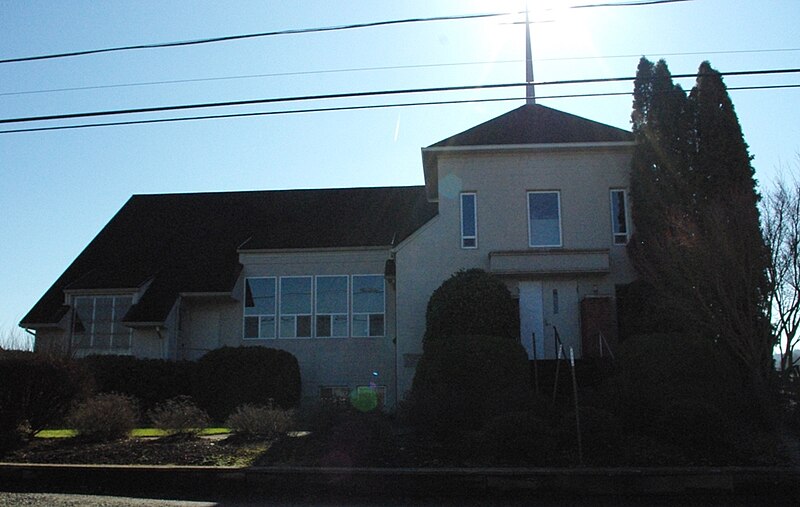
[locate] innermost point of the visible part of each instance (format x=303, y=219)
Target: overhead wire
x=374, y=93
x=380, y=68
x=349, y=108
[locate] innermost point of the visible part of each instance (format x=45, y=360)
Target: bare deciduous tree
x=780, y=212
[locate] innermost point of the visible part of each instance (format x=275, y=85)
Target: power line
x=377, y=93
x=229, y=38
x=350, y=108
x=634, y=3
x=385, y=67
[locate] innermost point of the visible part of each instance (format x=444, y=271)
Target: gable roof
x=174, y=243
x=528, y=125
x=536, y=124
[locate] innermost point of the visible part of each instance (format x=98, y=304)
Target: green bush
x=463, y=382
x=36, y=390
x=471, y=302
x=104, y=417
x=229, y=377
x=698, y=428
x=259, y=420
x=518, y=438
x=150, y=381
x=179, y=415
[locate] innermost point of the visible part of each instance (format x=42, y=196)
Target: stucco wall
x=349, y=361
x=501, y=180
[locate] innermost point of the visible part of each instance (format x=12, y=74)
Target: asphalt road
x=73, y=500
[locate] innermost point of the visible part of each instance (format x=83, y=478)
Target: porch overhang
x=549, y=262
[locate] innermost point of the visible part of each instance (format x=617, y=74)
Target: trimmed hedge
x=471, y=302
x=228, y=377
x=463, y=382
x=37, y=390
x=150, y=381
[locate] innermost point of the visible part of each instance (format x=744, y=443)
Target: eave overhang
x=549, y=262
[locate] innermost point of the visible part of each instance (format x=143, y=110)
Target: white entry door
x=531, y=318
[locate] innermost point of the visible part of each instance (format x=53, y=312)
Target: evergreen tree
x=698, y=243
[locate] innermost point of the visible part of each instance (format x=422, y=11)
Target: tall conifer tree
x=698, y=243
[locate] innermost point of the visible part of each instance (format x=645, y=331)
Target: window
x=334, y=395
x=97, y=322
x=368, y=305
x=331, y=306
x=259, y=308
x=469, y=220
x=544, y=219
x=295, y=307
x=619, y=217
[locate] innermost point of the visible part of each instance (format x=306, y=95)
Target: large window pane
x=259, y=307
x=368, y=294
x=331, y=306
x=368, y=305
x=97, y=323
x=296, y=295
x=544, y=218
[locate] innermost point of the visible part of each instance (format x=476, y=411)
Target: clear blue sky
x=58, y=189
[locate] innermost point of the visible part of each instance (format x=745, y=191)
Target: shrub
x=150, y=381
x=228, y=377
x=657, y=370
x=36, y=390
x=518, y=438
x=258, y=420
x=698, y=428
x=471, y=302
x=104, y=417
x=601, y=432
x=463, y=382
x=179, y=415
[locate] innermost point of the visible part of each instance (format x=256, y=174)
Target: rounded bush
x=231, y=376
x=261, y=421
x=104, y=417
x=471, y=302
x=518, y=438
x=698, y=428
x=179, y=415
x=601, y=432
x=463, y=382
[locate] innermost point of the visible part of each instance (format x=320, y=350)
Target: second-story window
x=469, y=220
x=619, y=217
x=544, y=219
x=295, y=305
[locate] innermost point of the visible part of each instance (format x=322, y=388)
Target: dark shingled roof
x=536, y=124
x=188, y=242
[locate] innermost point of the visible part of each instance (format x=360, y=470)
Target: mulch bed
x=172, y=450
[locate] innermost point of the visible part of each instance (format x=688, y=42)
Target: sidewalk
x=782, y=482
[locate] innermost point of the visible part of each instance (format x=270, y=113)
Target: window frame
x=354, y=313
x=317, y=314
x=91, y=332
x=260, y=315
x=282, y=314
x=531, y=244
x=615, y=235
x=465, y=238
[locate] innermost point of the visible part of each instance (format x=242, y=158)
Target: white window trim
x=464, y=237
x=627, y=232
x=528, y=213
x=114, y=323
x=353, y=313
x=258, y=316
x=281, y=315
x=346, y=314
